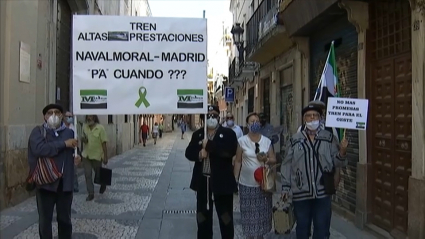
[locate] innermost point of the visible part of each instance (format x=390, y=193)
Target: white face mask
x=313, y=125
x=212, y=123
x=53, y=121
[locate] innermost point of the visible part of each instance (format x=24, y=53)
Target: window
x=266, y=98
x=251, y=100
x=110, y=117
x=126, y=118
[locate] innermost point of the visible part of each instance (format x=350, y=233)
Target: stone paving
x=149, y=199
x=115, y=214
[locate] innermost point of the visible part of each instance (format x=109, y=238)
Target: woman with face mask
x=253, y=152
x=307, y=174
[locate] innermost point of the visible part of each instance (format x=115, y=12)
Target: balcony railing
x=260, y=23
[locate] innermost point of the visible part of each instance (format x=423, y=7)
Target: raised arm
x=339, y=160
x=42, y=149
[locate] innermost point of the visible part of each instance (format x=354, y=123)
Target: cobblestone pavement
x=115, y=214
x=149, y=199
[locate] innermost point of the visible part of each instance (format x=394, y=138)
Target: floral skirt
x=256, y=211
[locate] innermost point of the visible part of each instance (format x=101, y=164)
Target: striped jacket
x=301, y=174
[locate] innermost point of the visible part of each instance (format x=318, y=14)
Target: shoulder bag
x=45, y=171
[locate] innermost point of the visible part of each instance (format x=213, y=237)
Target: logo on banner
x=94, y=99
x=142, y=98
x=118, y=36
x=190, y=98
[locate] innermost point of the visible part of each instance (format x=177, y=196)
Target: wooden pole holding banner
x=75, y=135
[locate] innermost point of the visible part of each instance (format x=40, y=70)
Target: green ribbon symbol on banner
x=142, y=98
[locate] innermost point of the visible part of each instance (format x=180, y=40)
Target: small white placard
x=24, y=62
x=347, y=113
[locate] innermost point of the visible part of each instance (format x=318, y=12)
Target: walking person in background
x=155, y=132
x=230, y=123
x=143, y=132
x=94, y=153
x=212, y=177
x=69, y=122
x=267, y=129
x=161, y=129
x=183, y=127
x=53, y=140
x=253, y=152
x=311, y=196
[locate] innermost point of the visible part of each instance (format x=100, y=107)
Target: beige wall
x=19, y=114
x=21, y=103
x=289, y=60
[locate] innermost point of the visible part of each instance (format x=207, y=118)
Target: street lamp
x=237, y=32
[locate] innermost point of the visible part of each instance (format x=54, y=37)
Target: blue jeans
x=317, y=210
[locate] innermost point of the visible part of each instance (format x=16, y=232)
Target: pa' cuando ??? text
x=347, y=110
x=139, y=56
x=137, y=74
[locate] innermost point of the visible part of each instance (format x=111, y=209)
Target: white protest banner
x=347, y=113
x=139, y=65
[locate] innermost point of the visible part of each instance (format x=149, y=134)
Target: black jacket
x=221, y=151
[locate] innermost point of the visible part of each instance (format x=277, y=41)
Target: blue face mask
x=70, y=120
x=255, y=127
x=230, y=123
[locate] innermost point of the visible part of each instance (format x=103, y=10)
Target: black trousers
x=204, y=216
x=46, y=201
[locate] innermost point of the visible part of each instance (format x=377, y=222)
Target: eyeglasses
x=229, y=118
x=56, y=112
x=312, y=116
x=257, y=148
x=214, y=116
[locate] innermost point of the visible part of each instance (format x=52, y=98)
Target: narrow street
x=150, y=198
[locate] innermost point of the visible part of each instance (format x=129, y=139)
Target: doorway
x=390, y=120
x=63, y=53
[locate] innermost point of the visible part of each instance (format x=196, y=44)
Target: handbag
x=268, y=183
x=45, y=171
x=327, y=179
x=283, y=217
x=103, y=176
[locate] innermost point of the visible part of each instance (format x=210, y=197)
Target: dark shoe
x=144, y=145
x=102, y=189
x=90, y=197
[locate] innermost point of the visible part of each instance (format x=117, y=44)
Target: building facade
x=383, y=186
x=35, y=62
x=219, y=64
